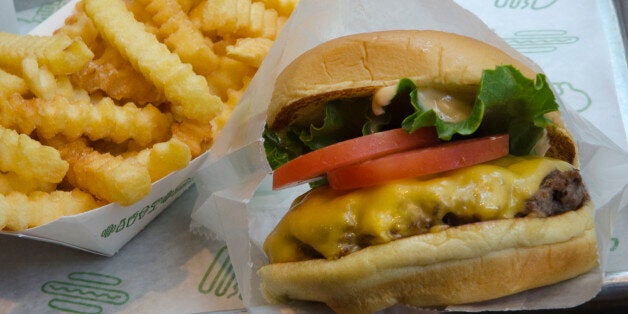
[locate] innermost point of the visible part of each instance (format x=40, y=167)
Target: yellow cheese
x=325, y=223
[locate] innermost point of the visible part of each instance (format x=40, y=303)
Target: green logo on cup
x=127, y=222
x=85, y=292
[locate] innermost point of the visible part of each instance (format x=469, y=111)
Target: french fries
x=123, y=94
x=61, y=54
x=11, y=84
x=30, y=159
x=243, y=18
x=19, y=211
x=187, y=90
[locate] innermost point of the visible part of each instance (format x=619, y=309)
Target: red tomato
x=314, y=164
x=418, y=162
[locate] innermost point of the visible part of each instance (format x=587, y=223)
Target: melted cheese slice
x=325, y=223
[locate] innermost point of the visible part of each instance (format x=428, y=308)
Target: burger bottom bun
x=465, y=264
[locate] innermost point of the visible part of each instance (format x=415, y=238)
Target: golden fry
x=29, y=159
x=10, y=84
x=230, y=74
x=187, y=5
x=110, y=178
x=181, y=36
x=104, y=120
x=250, y=51
x=187, y=91
x=59, y=53
x=13, y=115
x=78, y=25
x=283, y=7
x=198, y=136
x=19, y=211
x=242, y=18
x=164, y=158
x=11, y=182
x=116, y=77
x=40, y=81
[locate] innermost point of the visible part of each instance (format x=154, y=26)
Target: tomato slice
x=314, y=164
x=419, y=162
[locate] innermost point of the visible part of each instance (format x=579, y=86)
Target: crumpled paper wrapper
x=242, y=209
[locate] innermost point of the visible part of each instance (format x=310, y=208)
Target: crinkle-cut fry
x=59, y=53
x=109, y=178
x=198, y=136
x=12, y=182
x=19, y=211
x=250, y=51
x=181, y=36
x=283, y=7
x=78, y=25
x=40, y=81
x=117, y=78
x=164, y=158
x=103, y=120
x=139, y=12
x=30, y=159
x=16, y=115
x=10, y=84
x=233, y=97
x=230, y=74
x=196, y=16
x=188, y=92
x=187, y=5
x=242, y=18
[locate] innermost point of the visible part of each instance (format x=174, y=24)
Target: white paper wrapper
x=106, y=229
x=248, y=209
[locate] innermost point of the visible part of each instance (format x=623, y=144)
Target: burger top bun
x=357, y=65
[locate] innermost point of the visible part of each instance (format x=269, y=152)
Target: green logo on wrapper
x=147, y=210
x=614, y=244
x=575, y=97
x=219, y=278
x=540, y=41
x=43, y=12
x=525, y=4
x=85, y=292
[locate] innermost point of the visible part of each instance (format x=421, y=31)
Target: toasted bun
x=358, y=65
x=464, y=264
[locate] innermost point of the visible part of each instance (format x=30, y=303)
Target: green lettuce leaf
x=394, y=113
x=516, y=105
x=507, y=102
x=343, y=120
x=282, y=147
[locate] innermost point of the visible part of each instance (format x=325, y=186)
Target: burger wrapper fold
x=241, y=208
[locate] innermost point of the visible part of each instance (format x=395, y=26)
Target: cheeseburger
x=441, y=174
